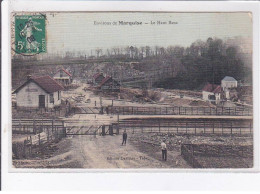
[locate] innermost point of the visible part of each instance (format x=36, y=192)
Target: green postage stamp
x=30, y=34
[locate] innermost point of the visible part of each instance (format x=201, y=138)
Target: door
x=41, y=101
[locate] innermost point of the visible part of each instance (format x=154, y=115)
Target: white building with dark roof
x=39, y=92
x=63, y=77
x=228, y=82
x=212, y=92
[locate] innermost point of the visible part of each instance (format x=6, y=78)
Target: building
x=63, y=77
x=212, y=93
x=109, y=85
x=39, y=92
x=97, y=78
x=228, y=82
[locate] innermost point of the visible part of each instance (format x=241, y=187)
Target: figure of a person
x=164, y=150
x=124, y=137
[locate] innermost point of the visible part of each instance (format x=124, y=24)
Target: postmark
x=30, y=36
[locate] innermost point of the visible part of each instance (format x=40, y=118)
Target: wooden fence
x=34, y=126
x=135, y=110
x=40, y=133
x=188, y=126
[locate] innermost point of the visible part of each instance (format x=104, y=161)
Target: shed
x=109, y=85
x=39, y=92
x=63, y=77
x=212, y=92
x=97, y=78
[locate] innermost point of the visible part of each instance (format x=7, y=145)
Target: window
x=51, y=99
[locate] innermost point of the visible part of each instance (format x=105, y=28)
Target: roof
x=47, y=83
x=65, y=71
x=212, y=88
x=107, y=78
x=95, y=76
x=228, y=78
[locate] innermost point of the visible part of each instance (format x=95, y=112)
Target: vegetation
x=173, y=67
x=208, y=61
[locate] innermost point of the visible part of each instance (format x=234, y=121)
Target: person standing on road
x=124, y=137
x=164, y=150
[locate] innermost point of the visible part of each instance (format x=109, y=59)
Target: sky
x=76, y=31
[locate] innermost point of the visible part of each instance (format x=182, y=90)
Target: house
x=228, y=82
x=39, y=92
x=109, y=85
x=63, y=77
x=212, y=93
x=97, y=78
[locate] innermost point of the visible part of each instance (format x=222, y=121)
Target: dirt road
x=107, y=152
x=104, y=152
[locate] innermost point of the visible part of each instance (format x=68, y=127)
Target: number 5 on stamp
x=30, y=34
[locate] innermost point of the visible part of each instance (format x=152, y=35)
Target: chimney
x=29, y=77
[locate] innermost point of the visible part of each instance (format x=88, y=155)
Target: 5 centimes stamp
x=30, y=34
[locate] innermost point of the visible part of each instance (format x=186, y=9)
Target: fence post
x=47, y=134
x=110, y=130
x=103, y=130
x=195, y=128
x=52, y=133
x=213, y=129
x=39, y=139
x=231, y=128
x=64, y=129
x=186, y=128
x=20, y=125
x=41, y=126
x=117, y=129
x=34, y=128
x=159, y=126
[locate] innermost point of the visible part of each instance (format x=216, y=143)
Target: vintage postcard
x=132, y=90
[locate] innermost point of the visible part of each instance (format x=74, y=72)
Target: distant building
x=109, y=85
x=212, y=93
x=97, y=78
x=63, y=77
x=39, y=92
x=228, y=82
